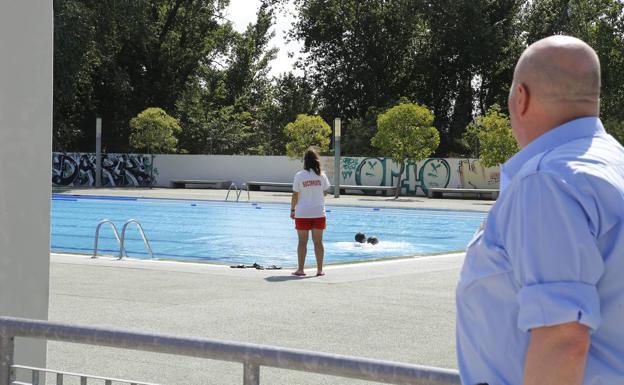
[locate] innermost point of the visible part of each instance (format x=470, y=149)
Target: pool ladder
x=121, y=240
x=237, y=191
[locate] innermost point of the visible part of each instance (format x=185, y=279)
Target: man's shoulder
x=578, y=156
x=585, y=154
x=583, y=165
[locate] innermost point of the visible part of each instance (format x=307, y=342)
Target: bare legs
x=302, y=249
x=319, y=250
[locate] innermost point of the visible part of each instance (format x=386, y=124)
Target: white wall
x=26, y=38
x=371, y=171
x=125, y=170
x=236, y=168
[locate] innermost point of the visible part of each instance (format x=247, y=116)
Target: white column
x=98, y=152
x=337, y=158
x=26, y=39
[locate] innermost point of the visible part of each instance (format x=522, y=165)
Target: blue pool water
x=232, y=233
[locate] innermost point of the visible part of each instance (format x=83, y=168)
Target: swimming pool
x=232, y=233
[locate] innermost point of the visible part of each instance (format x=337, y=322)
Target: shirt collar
x=574, y=129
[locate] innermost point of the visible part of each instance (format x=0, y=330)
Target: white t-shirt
x=311, y=187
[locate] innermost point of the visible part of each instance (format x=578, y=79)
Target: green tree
x=490, y=138
x=115, y=58
x=304, y=132
x=226, y=109
x=470, y=140
x=290, y=96
x=154, y=130
x=600, y=23
x=75, y=59
x=468, y=62
x=213, y=130
x=455, y=56
x=406, y=132
x=358, y=133
x=359, y=54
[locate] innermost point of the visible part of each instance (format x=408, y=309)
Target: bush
x=154, y=130
x=490, y=138
x=406, y=132
x=307, y=131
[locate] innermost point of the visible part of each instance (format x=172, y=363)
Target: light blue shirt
x=551, y=252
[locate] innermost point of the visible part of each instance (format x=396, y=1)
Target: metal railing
x=121, y=240
x=122, y=250
x=252, y=356
x=61, y=375
x=236, y=191
x=97, y=235
x=246, y=187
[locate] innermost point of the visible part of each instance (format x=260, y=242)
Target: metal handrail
x=83, y=377
x=247, y=188
x=97, y=235
x=123, y=238
x=230, y=188
x=252, y=356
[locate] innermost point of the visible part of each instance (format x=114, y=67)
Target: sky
x=243, y=12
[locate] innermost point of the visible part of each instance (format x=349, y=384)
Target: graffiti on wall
x=374, y=171
x=118, y=170
x=473, y=174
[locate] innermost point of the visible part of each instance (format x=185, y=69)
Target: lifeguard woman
x=307, y=208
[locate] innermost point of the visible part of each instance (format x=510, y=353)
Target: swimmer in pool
x=361, y=238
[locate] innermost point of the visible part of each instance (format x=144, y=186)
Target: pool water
x=247, y=233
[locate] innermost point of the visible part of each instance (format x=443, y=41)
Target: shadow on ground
x=285, y=278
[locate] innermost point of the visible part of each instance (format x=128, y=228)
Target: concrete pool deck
x=413, y=202
x=400, y=310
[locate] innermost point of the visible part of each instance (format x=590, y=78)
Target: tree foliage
x=113, y=59
x=305, y=132
x=75, y=59
x=453, y=56
x=489, y=137
x=406, y=132
x=223, y=109
x=600, y=23
x=616, y=129
x=154, y=130
x=457, y=57
x=290, y=96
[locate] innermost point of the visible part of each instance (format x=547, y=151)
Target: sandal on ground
x=320, y=274
x=298, y=273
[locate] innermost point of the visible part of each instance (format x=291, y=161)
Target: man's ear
x=523, y=99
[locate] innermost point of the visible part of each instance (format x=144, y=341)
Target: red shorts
x=310, y=223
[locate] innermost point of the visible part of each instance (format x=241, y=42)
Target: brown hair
x=311, y=160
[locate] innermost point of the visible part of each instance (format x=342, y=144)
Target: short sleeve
x=296, y=185
x=555, y=256
x=325, y=181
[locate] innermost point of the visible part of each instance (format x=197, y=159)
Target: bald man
x=540, y=298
